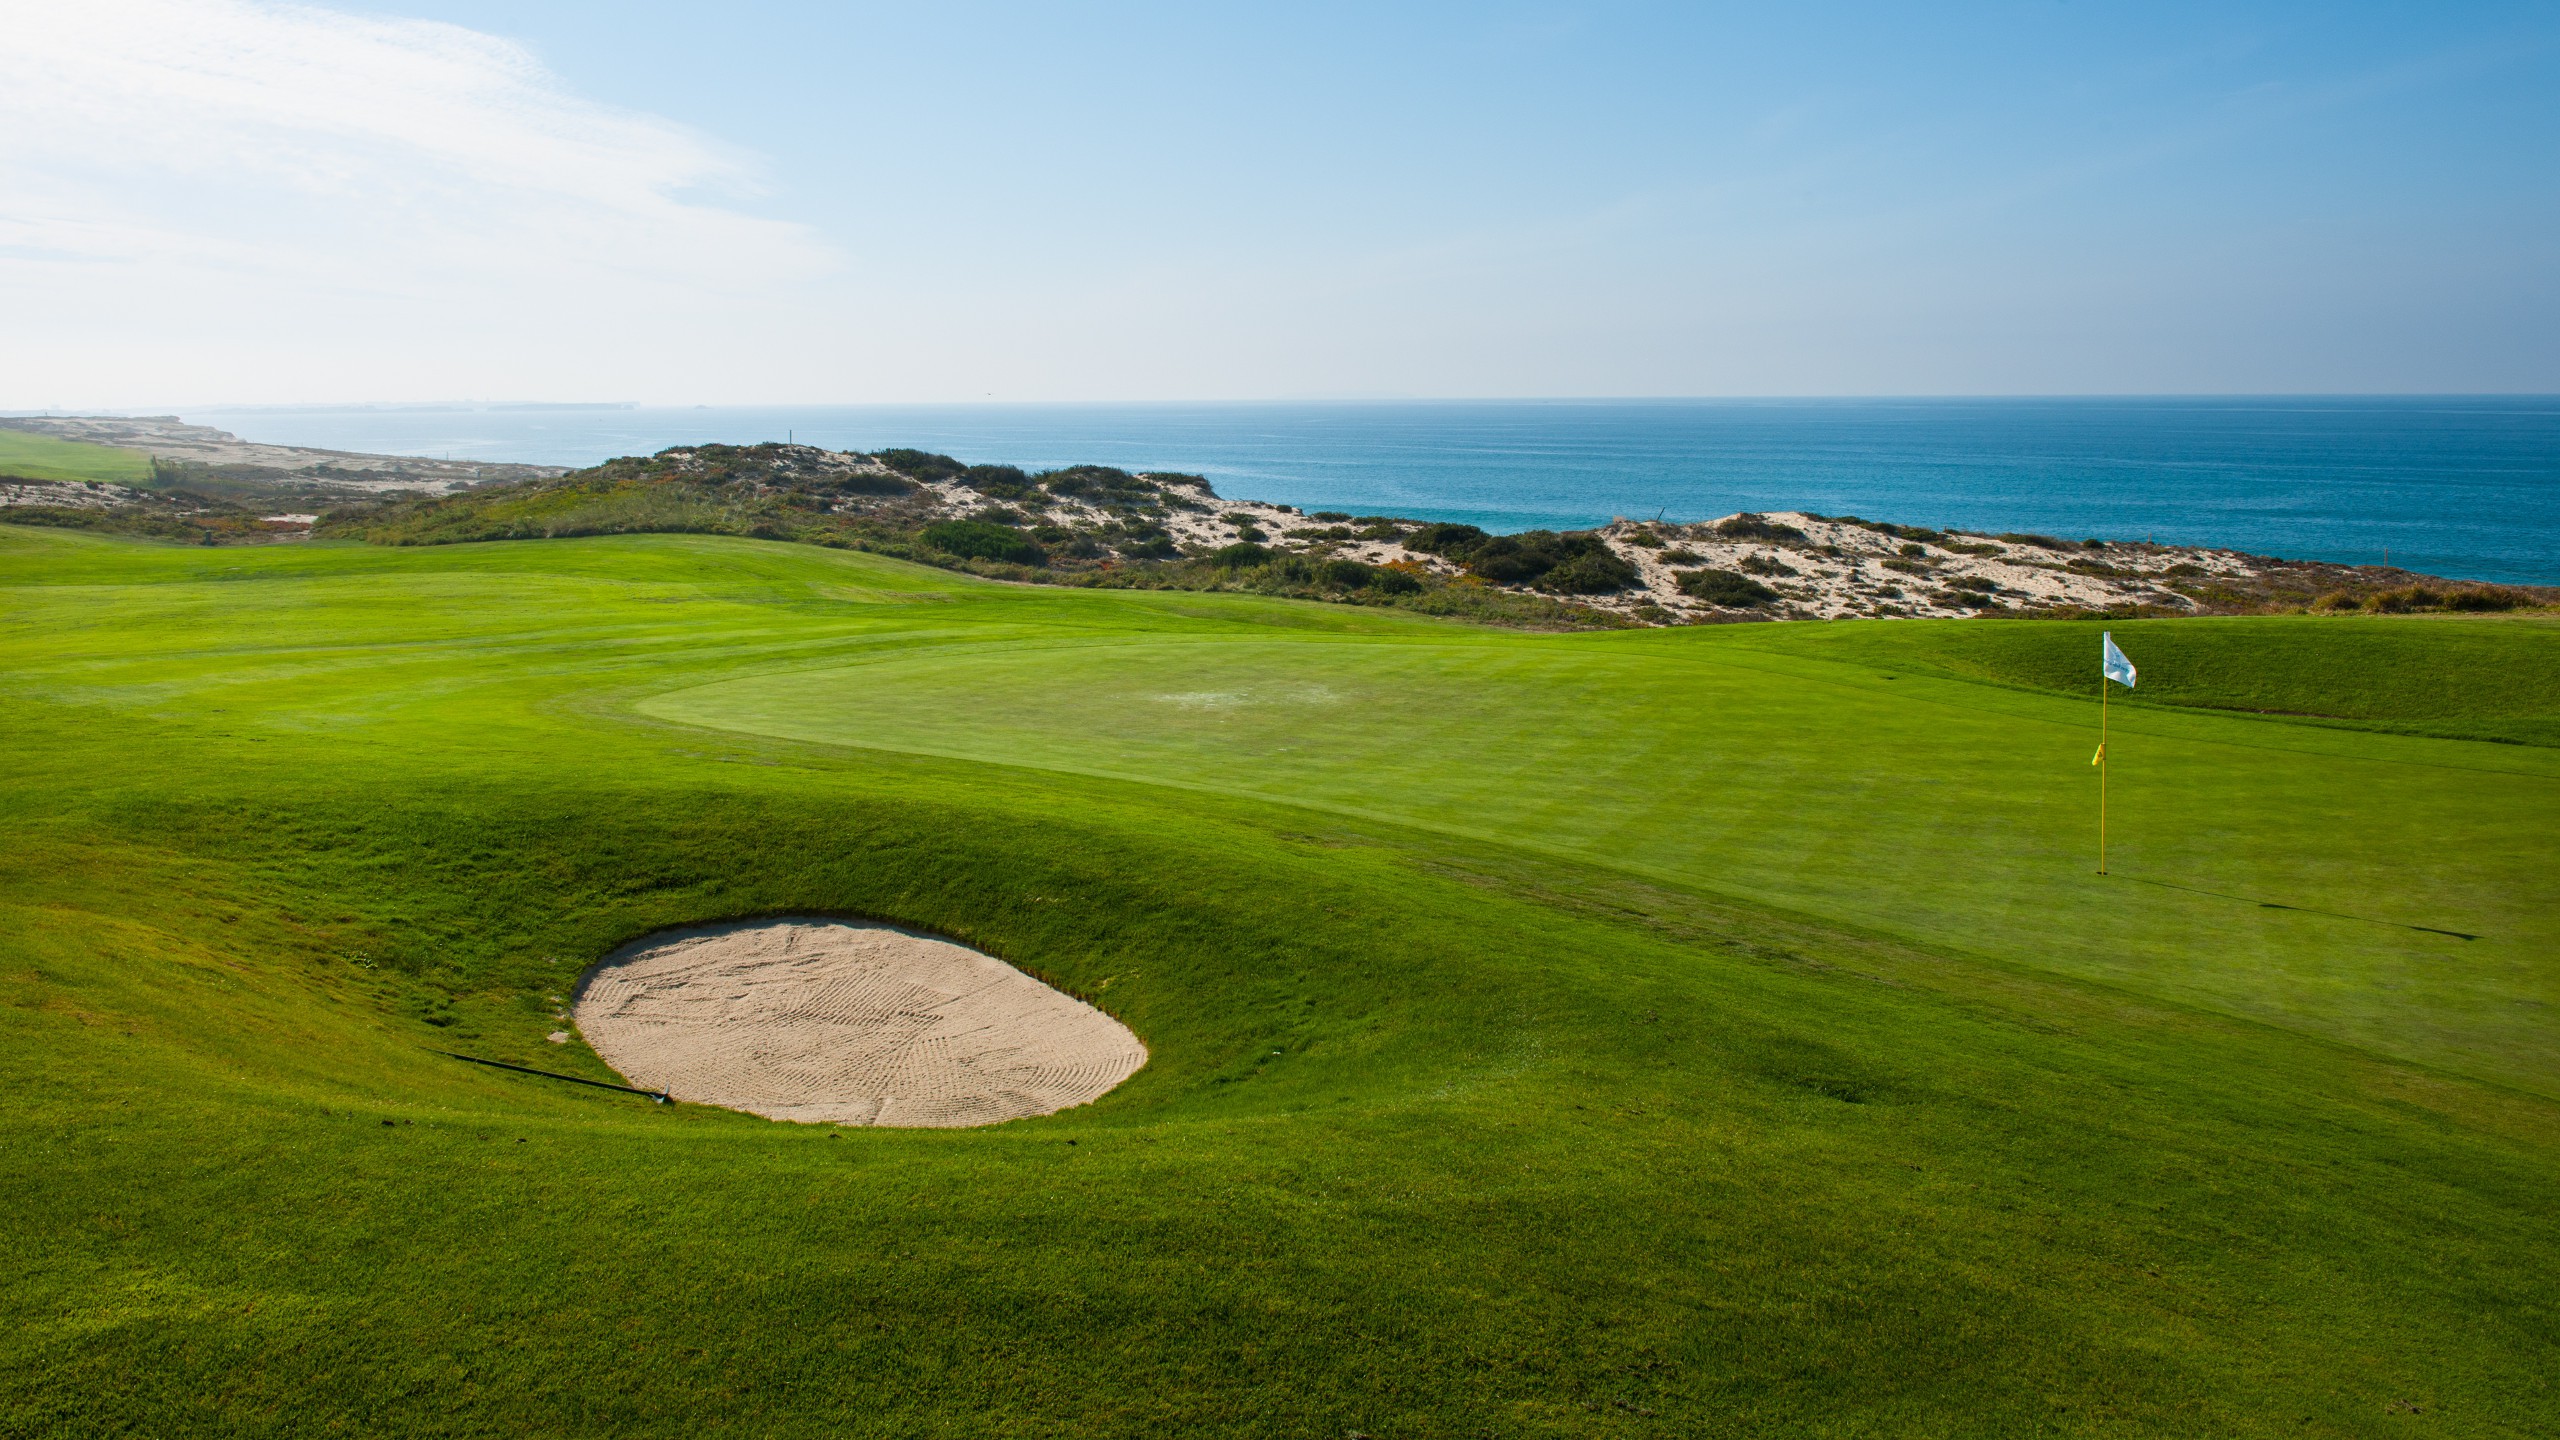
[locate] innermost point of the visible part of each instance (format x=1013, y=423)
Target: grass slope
x=1531, y=1056
x=30, y=456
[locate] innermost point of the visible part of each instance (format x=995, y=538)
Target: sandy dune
x=848, y=1023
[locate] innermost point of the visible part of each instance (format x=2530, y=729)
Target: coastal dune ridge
x=1103, y=525
x=2447, y=485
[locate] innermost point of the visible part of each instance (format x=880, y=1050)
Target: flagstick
x=2102, y=774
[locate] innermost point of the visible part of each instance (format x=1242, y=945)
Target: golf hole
x=846, y=1023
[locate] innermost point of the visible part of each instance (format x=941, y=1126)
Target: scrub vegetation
x=1090, y=525
x=1678, y=1032
x=1567, y=563
x=1725, y=587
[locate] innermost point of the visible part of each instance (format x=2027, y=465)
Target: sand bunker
x=829, y=1020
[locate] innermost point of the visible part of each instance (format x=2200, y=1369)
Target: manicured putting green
x=2390, y=891
x=2463, y=677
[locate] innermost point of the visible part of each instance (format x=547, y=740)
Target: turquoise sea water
x=2462, y=486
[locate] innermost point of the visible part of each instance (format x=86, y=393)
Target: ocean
x=2458, y=486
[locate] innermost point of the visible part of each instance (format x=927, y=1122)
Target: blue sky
x=962, y=201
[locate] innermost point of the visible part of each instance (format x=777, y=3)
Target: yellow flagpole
x=2102, y=774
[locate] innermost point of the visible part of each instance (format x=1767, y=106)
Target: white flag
x=2111, y=662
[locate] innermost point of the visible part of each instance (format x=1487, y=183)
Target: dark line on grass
x=660, y=1096
x=2302, y=909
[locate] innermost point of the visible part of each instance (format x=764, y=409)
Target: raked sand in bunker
x=853, y=1024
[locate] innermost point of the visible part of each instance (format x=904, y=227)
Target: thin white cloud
x=225, y=156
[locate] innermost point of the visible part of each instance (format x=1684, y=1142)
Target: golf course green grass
x=29, y=456
x=1707, y=1031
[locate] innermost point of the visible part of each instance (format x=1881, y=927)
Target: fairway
x=1705, y=1031
x=42, y=457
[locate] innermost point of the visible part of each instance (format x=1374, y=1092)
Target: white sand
x=849, y=1023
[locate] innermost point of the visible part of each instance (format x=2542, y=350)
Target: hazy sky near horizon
x=214, y=201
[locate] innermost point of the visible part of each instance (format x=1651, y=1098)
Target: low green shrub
x=2404, y=599
x=1239, y=555
x=1526, y=558
x=1443, y=538
x=921, y=464
x=1756, y=527
x=1598, y=571
x=1726, y=588
x=982, y=540
x=1884, y=527
x=1098, y=484
x=869, y=483
x=1766, y=565
x=1504, y=560
x=2474, y=598
x=1002, y=482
